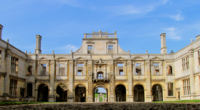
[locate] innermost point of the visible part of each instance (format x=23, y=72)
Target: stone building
x=99, y=62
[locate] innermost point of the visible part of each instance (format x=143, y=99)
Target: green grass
x=100, y=99
x=179, y=101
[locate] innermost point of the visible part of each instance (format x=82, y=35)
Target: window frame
x=89, y=49
x=100, y=75
x=170, y=89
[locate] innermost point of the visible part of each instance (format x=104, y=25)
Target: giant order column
x=148, y=97
x=192, y=85
x=8, y=71
x=71, y=82
x=90, y=83
x=52, y=74
x=112, y=82
x=130, y=81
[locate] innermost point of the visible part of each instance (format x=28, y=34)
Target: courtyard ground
x=168, y=105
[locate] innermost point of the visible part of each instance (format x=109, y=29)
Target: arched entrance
x=61, y=93
x=120, y=93
x=138, y=93
x=80, y=93
x=157, y=93
x=43, y=93
x=100, y=94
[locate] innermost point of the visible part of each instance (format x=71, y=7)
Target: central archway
x=43, y=93
x=120, y=93
x=157, y=93
x=138, y=93
x=100, y=94
x=80, y=93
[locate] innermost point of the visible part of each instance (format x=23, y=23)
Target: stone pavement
x=105, y=106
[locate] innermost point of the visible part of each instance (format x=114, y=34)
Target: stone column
x=90, y=83
x=148, y=97
x=71, y=82
x=112, y=83
x=130, y=81
x=163, y=43
x=51, y=75
x=191, y=63
x=8, y=71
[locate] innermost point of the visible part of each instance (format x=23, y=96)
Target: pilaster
x=51, y=76
x=130, y=81
x=148, y=82
x=191, y=63
x=71, y=91
x=8, y=71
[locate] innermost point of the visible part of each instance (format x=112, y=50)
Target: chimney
x=163, y=43
x=38, y=44
x=198, y=37
x=1, y=28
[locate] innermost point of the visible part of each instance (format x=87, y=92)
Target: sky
x=62, y=23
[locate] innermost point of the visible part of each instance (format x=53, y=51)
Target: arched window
x=29, y=70
x=169, y=70
x=100, y=76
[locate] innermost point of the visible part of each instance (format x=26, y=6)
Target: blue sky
x=138, y=23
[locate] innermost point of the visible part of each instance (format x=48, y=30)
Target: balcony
x=101, y=80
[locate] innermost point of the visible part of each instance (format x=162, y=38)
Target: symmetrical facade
x=99, y=62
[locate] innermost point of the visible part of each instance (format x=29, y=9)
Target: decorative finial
x=191, y=40
x=146, y=51
x=53, y=52
x=26, y=52
x=71, y=51
x=8, y=40
x=128, y=51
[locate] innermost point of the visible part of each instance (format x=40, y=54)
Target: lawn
x=179, y=101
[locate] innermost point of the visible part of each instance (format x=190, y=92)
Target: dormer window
x=89, y=48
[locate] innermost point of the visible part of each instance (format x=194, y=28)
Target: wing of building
x=99, y=62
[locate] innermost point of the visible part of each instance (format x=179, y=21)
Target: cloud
x=172, y=33
x=177, y=17
x=68, y=48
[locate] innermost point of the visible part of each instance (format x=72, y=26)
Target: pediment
x=156, y=58
x=120, y=58
x=79, y=58
x=138, y=58
x=110, y=42
x=90, y=42
x=43, y=58
x=61, y=58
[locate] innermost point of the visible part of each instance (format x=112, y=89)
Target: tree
x=97, y=90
